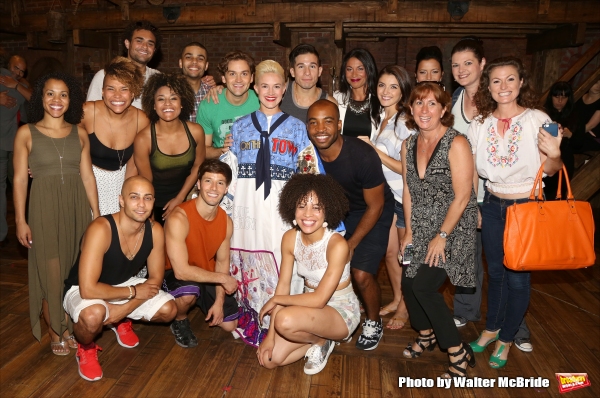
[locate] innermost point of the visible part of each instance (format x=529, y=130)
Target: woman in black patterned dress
x=440, y=210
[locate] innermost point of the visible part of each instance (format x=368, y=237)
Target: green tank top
x=169, y=172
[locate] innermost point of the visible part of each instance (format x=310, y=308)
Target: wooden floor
x=564, y=317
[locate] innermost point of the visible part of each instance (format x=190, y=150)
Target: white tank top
x=312, y=259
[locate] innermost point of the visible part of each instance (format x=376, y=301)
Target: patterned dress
x=258, y=228
x=430, y=200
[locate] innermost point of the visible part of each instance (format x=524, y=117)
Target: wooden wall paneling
x=282, y=34
x=586, y=85
x=524, y=12
x=587, y=181
x=570, y=35
x=577, y=66
x=88, y=38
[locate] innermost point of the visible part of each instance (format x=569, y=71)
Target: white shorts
x=74, y=304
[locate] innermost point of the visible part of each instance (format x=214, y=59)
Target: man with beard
x=142, y=40
x=102, y=289
x=357, y=167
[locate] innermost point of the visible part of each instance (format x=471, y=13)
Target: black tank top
x=169, y=172
x=107, y=158
x=116, y=267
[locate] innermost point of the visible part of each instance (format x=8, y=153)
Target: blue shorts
x=399, y=211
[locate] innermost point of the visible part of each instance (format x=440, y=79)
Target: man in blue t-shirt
x=357, y=167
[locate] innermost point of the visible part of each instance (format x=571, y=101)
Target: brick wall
x=260, y=45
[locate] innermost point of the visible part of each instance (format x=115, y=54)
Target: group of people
x=166, y=195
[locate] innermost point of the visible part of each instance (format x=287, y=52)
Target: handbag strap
x=538, y=182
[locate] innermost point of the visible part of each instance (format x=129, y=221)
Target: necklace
x=132, y=253
x=60, y=157
x=426, y=145
x=359, y=107
x=119, y=156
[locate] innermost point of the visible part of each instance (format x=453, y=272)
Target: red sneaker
x=87, y=361
x=125, y=334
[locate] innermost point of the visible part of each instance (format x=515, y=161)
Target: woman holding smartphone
x=509, y=145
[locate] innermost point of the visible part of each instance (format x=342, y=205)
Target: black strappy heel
x=467, y=356
x=423, y=338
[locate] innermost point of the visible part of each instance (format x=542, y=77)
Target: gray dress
x=430, y=200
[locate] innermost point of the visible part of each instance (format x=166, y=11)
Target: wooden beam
x=586, y=85
x=39, y=41
x=571, y=35
x=577, y=66
x=338, y=35
x=282, y=35
x=497, y=12
x=392, y=7
x=88, y=38
x=543, y=7
x=587, y=180
x=251, y=7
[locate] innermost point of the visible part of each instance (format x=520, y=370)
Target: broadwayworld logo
x=572, y=381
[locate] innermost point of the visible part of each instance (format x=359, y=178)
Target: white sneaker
x=317, y=357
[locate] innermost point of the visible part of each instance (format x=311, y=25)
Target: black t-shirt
x=356, y=168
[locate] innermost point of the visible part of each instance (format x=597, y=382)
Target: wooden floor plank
x=328, y=383
x=214, y=373
x=290, y=382
x=250, y=380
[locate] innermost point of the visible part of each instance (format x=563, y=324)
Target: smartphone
x=408, y=254
x=551, y=128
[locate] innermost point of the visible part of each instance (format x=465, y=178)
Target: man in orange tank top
x=197, y=236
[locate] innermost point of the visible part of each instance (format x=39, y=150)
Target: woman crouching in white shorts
x=307, y=325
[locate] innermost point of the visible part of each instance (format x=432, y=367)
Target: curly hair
x=142, y=25
x=484, y=102
x=366, y=58
x=124, y=71
x=235, y=56
x=405, y=84
x=74, y=113
x=329, y=192
x=442, y=97
x=178, y=84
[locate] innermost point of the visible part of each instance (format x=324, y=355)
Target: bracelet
x=130, y=293
x=134, y=291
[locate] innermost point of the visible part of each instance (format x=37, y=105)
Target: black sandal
x=423, y=338
x=467, y=356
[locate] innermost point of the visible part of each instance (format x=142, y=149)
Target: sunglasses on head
x=433, y=82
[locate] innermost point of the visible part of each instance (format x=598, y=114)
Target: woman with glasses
x=357, y=97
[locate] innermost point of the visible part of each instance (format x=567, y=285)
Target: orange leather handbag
x=552, y=235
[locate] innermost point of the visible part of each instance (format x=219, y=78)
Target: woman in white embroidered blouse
x=509, y=145
x=309, y=324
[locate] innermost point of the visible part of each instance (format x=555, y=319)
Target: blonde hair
x=268, y=66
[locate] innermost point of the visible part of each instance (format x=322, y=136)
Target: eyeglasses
x=433, y=82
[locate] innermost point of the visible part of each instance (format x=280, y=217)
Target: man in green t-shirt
x=218, y=115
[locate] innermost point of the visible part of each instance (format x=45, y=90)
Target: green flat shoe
x=480, y=348
x=495, y=361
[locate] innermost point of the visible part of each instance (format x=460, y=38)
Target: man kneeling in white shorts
x=102, y=289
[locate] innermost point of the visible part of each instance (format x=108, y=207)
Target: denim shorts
x=399, y=211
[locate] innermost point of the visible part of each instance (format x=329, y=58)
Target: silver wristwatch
x=443, y=234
